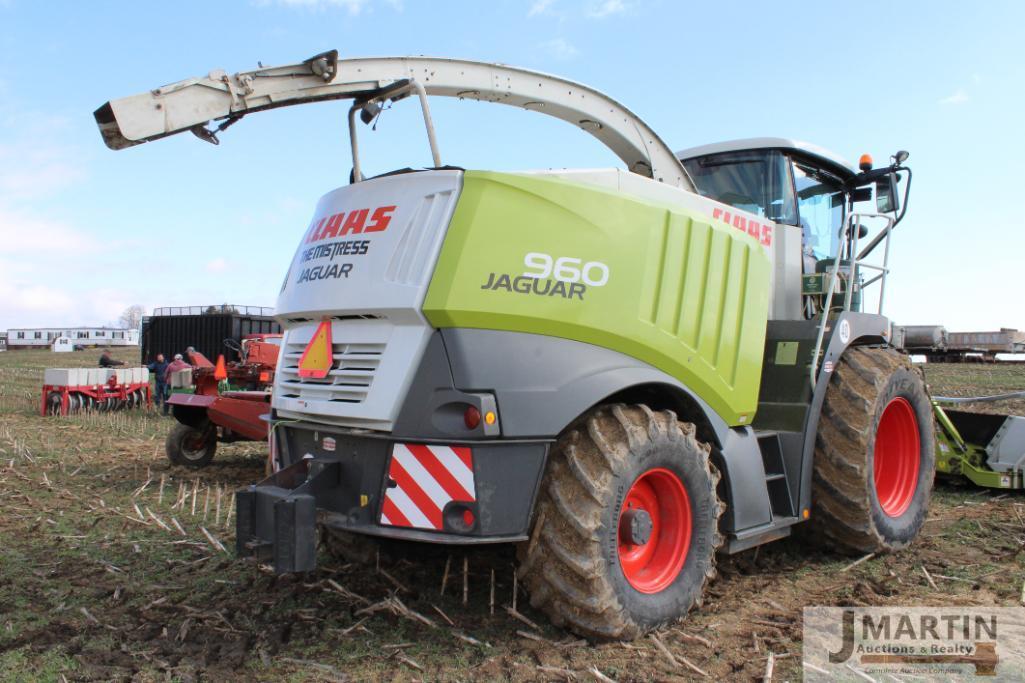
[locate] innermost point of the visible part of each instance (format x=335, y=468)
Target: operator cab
x=785, y=181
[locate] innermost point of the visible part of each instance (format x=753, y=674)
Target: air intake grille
x=352, y=373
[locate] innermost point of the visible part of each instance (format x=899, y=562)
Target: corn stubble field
x=117, y=566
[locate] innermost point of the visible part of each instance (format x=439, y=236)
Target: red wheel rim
x=896, y=458
x=653, y=566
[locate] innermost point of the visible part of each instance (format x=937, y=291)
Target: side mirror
x=887, y=198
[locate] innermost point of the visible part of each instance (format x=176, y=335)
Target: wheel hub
x=635, y=527
x=895, y=462
x=654, y=531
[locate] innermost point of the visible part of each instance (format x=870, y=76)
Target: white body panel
x=808, y=148
x=64, y=377
x=378, y=330
x=182, y=379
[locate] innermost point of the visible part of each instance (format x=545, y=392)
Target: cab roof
x=805, y=148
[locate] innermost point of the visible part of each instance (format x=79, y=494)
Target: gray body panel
x=507, y=475
x=543, y=383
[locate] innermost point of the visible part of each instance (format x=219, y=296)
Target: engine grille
x=349, y=380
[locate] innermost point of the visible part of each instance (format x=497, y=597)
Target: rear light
x=471, y=417
x=460, y=517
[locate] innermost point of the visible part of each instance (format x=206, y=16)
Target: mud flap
x=276, y=520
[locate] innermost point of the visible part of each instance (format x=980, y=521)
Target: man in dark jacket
x=159, y=368
x=107, y=362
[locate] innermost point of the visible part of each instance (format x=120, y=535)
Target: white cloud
x=959, y=97
x=29, y=171
x=559, y=48
x=217, y=265
x=23, y=231
x=58, y=302
x=540, y=7
x=605, y=8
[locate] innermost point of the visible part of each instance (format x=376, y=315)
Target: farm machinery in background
x=254, y=371
x=67, y=391
x=940, y=346
x=221, y=402
x=987, y=449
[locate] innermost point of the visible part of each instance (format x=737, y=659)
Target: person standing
x=173, y=367
x=159, y=368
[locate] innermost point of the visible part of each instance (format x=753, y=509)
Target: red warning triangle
x=317, y=359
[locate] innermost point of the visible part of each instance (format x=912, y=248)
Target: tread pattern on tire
x=840, y=495
x=563, y=564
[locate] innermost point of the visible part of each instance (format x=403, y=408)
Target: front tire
x=874, y=453
x=626, y=527
x=191, y=447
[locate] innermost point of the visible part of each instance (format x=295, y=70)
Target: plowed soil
x=110, y=569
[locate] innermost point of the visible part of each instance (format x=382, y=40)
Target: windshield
x=756, y=181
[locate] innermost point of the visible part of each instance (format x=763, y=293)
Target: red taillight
x=471, y=418
x=468, y=518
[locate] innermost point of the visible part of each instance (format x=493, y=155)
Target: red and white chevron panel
x=427, y=478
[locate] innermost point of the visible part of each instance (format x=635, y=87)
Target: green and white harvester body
x=623, y=372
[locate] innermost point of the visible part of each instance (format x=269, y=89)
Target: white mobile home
x=43, y=337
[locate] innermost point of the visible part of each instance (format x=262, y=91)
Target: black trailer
x=172, y=329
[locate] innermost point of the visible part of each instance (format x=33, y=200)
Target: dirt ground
x=111, y=568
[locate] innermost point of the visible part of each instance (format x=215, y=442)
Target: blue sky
x=85, y=232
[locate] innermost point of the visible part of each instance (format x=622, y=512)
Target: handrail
x=214, y=309
x=848, y=246
x=393, y=93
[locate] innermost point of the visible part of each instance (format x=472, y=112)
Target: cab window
x=820, y=206
x=756, y=181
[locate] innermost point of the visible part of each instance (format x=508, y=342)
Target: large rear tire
x=190, y=446
x=874, y=453
x=626, y=525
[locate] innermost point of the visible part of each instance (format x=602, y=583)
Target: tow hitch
x=277, y=518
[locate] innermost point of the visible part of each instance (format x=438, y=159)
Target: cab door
x=820, y=208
